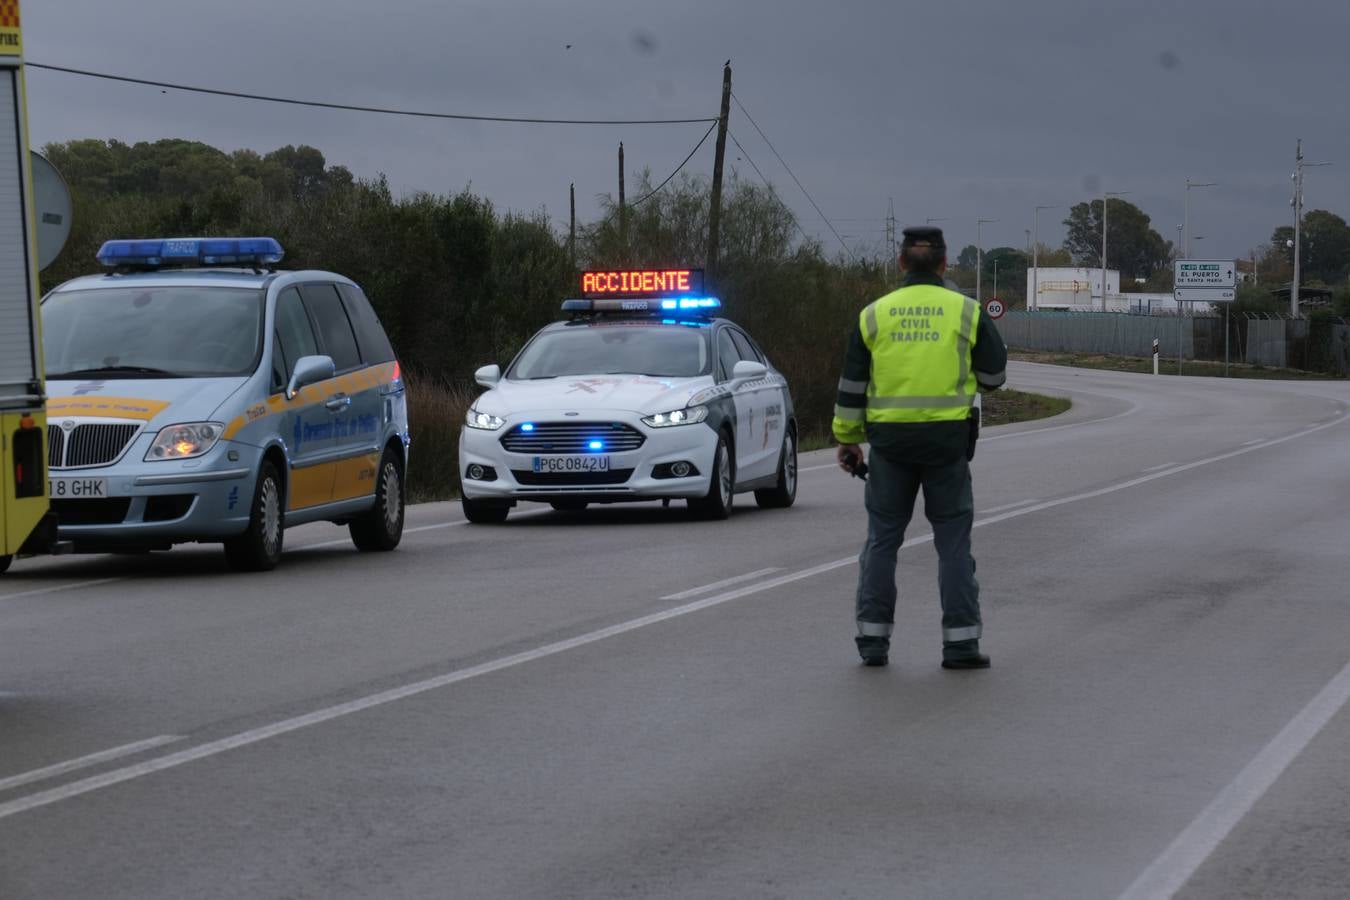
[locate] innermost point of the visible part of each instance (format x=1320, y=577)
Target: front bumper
x=156, y=503
x=516, y=480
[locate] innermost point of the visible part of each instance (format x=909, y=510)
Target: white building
x=1080, y=290
x=1073, y=289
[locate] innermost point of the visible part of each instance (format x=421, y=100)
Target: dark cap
x=926, y=236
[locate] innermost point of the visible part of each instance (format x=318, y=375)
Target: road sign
x=1205, y=295
x=994, y=308
x=1205, y=273
x=53, y=208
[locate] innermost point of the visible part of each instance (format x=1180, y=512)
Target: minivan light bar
x=156, y=253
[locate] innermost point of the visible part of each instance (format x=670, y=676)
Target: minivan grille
x=573, y=437
x=92, y=444
x=56, y=446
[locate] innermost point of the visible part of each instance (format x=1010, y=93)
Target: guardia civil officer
x=915, y=362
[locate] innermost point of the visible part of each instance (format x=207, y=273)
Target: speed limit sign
x=994, y=308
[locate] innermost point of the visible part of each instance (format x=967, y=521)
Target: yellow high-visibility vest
x=920, y=338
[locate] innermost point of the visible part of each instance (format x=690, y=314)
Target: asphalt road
x=625, y=703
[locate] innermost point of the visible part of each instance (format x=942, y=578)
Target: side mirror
x=309, y=370
x=488, y=376
x=747, y=370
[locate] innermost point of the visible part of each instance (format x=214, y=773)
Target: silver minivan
x=198, y=394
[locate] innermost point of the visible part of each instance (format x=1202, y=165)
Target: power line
x=370, y=109
x=681, y=166
x=769, y=185
x=790, y=172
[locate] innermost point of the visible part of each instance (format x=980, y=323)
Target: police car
x=644, y=393
x=196, y=394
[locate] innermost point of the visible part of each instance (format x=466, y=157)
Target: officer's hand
x=848, y=455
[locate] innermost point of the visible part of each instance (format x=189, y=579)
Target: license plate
x=566, y=464
x=67, y=488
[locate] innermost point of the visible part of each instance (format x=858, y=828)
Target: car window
x=294, y=337
x=370, y=335
x=727, y=353
x=182, y=331
x=608, y=349
x=331, y=322
x=745, y=348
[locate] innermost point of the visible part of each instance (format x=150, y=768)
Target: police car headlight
x=185, y=441
x=476, y=419
x=690, y=415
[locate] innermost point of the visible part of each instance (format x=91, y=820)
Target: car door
x=743, y=400
x=381, y=405
x=354, y=397
x=307, y=425
x=763, y=396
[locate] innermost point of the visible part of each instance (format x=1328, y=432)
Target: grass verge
x=997, y=408
x=1165, y=367
x=436, y=409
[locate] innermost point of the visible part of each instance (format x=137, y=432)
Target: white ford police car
x=643, y=394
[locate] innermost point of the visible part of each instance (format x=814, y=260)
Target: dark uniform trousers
x=949, y=505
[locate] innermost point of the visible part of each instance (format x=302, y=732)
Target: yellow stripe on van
x=314, y=394
x=355, y=477
x=108, y=407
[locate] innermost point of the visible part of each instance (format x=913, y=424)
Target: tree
x=1010, y=267
x=968, y=258
x=1324, y=245
x=1132, y=246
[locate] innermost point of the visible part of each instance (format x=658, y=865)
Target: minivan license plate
x=83, y=488
x=569, y=464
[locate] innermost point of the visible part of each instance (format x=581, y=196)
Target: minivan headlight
x=485, y=421
x=690, y=415
x=184, y=441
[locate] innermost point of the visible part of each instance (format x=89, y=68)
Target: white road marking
x=1159, y=466
x=285, y=726
x=725, y=582
x=84, y=762
x=347, y=540
x=1011, y=505
x=1170, y=871
x=1249, y=443
x=62, y=587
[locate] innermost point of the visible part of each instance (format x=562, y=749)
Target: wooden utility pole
x=572, y=229
x=623, y=212
x=715, y=211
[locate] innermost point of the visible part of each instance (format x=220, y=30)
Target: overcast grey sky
x=955, y=109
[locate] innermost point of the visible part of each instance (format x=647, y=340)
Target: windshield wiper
x=116, y=370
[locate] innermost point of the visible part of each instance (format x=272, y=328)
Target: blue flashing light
x=256, y=251
x=528, y=426
x=687, y=303
x=596, y=445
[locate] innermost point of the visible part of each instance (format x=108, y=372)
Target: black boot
x=874, y=650
x=963, y=655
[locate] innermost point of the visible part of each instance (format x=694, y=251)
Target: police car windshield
x=148, y=332
x=667, y=351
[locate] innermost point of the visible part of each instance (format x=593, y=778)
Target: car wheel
x=782, y=495
x=484, y=512
x=258, y=549
x=568, y=505
x=382, y=527
x=4, y=563
x=716, y=504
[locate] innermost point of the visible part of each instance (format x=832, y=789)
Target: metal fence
x=1315, y=345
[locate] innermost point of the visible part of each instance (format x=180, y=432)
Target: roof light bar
x=155, y=253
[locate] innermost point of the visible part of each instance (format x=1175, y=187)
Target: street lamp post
x=979, y=255
x=996, y=279
x=1106, y=195
x=1186, y=220
x=1035, y=301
